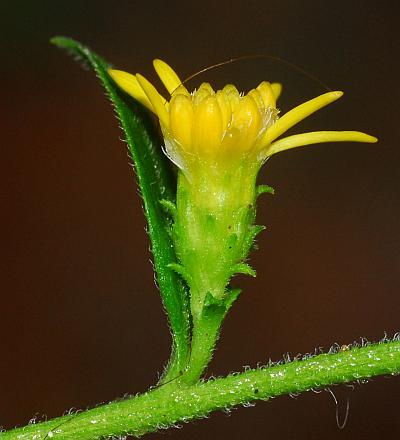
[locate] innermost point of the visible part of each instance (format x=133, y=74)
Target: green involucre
x=214, y=229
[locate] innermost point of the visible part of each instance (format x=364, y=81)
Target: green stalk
x=205, y=335
x=174, y=403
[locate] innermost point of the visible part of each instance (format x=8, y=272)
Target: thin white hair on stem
x=346, y=415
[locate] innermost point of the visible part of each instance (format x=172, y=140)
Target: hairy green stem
x=174, y=403
x=205, y=336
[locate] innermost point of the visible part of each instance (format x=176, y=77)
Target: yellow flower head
x=225, y=125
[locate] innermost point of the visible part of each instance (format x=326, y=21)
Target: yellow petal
x=225, y=109
x=277, y=89
x=204, y=91
x=167, y=75
x=256, y=95
x=267, y=94
x=232, y=95
x=317, y=137
x=181, y=90
x=157, y=101
x=230, y=89
x=207, y=126
x=247, y=119
x=130, y=85
x=181, y=120
x=299, y=113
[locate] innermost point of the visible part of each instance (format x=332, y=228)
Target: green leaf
x=157, y=183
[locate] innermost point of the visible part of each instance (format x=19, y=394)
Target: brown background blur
x=81, y=321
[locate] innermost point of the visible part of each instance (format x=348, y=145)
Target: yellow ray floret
x=299, y=113
x=167, y=75
x=157, y=101
x=224, y=124
x=130, y=85
x=317, y=137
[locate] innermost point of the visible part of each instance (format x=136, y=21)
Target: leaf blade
x=157, y=182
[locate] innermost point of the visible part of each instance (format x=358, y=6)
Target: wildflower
x=219, y=140
x=223, y=127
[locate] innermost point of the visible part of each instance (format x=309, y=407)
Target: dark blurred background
x=81, y=320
